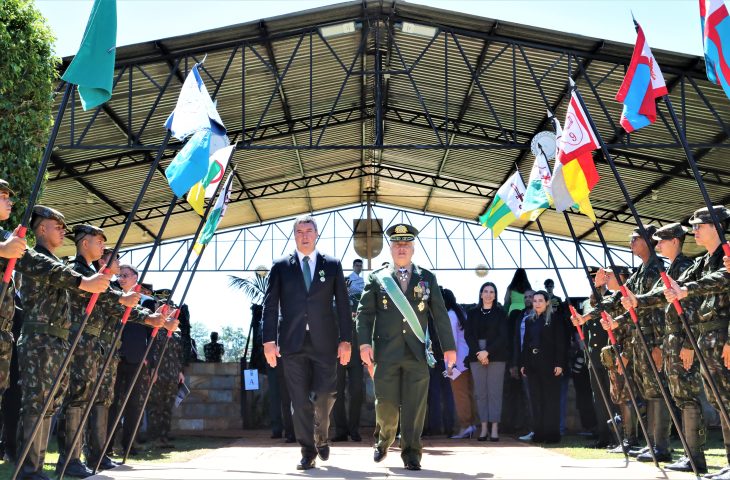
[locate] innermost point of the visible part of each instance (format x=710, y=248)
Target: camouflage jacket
x=655, y=297
x=213, y=352
x=172, y=362
x=642, y=281
x=107, y=312
x=45, y=288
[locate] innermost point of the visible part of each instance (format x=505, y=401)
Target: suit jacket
x=551, y=341
x=381, y=325
x=328, y=324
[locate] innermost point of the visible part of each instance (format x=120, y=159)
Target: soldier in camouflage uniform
x=651, y=323
x=44, y=339
x=164, y=388
x=708, y=282
x=684, y=384
x=213, y=351
x=89, y=354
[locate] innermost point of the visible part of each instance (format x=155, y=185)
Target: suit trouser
x=545, y=398
x=311, y=378
x=488, y=385
x=401, y=389
x=125, y=374
x=350, y=379
x=440, y=401
x=279, y=402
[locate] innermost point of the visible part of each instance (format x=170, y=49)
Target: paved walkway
x=258, y=457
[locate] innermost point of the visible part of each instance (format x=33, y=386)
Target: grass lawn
x=186, y=448
x=574, y=446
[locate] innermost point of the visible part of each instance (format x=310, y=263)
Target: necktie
x=306, y=272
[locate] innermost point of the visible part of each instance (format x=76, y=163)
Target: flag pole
x=117, y=336
x=581, y=336
x=128, y=394
x=624, y=291
x=630, y=384
x=36, y=187
x=153, y=377
x=88, y=310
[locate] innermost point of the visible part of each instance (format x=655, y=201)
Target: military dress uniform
x=684, y=385
x=708, y=310
x=164, y=390
x=401, y=373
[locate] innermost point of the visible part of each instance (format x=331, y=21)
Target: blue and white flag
x=190, y=165
x=194, y=110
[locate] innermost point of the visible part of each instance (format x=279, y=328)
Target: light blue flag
x=538, y=193
x=190, y=165
x=194, y=109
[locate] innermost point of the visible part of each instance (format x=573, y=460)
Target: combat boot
x=32, y=468
x=97, y=438
x=694, y=432
x=658, y=426
x=75, y=468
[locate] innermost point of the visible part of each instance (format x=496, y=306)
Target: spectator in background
x=542, y=361
x=486, y=337
x=462, y=387
x=213, y=351
x=522, y=401
x=355, y=282
x=440, y=414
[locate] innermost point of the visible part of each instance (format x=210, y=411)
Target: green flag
x=92, y=69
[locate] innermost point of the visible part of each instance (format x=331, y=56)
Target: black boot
x=76, y=468
x=33, y=464
x=658, y=426
x=97, y=438
x=693, y=425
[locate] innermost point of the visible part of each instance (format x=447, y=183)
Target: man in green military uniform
x=392, y=329
x=164, y=387
x=44, y=339
x=89, y=354
x=684, y=384
x=651, y=323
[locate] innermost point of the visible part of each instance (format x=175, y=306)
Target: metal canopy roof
x=429, y=122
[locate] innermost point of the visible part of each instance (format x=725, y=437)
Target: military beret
x=41, y=212
x=668, y=232
x=5, y=187
x=703, y=215
x=147, y=286
x=80, y=231
x=401, y=233
x=650, y=231
x=619, y=270
x=593, y=271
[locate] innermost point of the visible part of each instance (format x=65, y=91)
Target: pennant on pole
x=539, y=185
x=506, y=207
x=92, y=69
x=215, y=216
x=643, y=84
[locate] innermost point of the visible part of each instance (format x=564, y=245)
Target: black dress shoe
x=413, y=465
x=379, y=455
x=306, y=464
x=493, y=439
x=323, y=453
x=483, y=439
x=339, y=438
x=356, y=437
x=662, y=455
x=76, y=469
x=107, y=463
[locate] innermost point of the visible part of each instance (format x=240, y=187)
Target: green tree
x=200, y=334
x=234, y=342
x=27, y=75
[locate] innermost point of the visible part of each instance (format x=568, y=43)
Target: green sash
x=399, y=299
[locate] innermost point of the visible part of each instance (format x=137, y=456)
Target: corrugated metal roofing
x=484, y=121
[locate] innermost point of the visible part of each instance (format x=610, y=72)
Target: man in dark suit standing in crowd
x=312, y=334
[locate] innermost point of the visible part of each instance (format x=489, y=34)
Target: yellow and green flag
x=506, y=207
x=214, y=218
x=206, y=188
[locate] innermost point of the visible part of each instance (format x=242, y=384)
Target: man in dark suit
x=312, y=334
x=392, y=321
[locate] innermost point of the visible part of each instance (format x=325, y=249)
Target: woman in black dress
x=541, y=361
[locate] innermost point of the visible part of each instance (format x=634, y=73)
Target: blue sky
x=669, y=25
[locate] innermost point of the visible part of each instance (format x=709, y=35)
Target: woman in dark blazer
x=485, y=333
x=541, y=361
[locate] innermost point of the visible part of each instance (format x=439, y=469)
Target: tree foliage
x=27, y=75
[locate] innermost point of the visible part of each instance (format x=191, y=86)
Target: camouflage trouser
x=159, y=407
x=684, y=385
x=641, y=369
x=106, y=391
x=40, y=357
x=618, y=388
x=84, y=368
x=711, y=344
x=6, y=354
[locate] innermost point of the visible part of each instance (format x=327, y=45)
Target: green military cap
x=41, y=212
x=621, y=270
x=80, y=231
x=147, y=286
x=593, y=271
x=5, y=187
x=401, y=232
x=668, y=232
x=650, y=231
x=703, y=215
